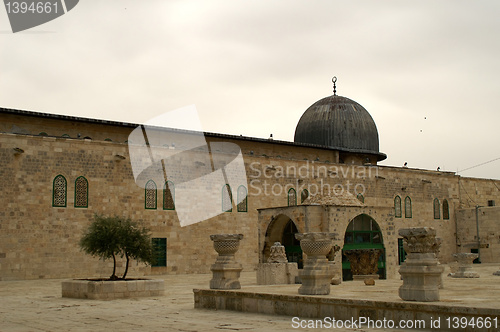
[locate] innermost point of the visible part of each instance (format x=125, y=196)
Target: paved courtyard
x=37, y=305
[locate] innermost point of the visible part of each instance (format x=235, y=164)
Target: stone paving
x=37, y=305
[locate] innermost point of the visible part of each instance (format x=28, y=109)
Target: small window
x=160, y=250
x=446, y=210
x=150, y=195
x=242, y=199
x=59, y=191
x=81, y=192
x=397, y=207
x=407, y=207
x=43, y=134
x=304, y=195
x=360, y=198
x=227, y=198
x=437, y=209
x=65, y=136
x=292, y=197
x=108, y=140
x=169, y=196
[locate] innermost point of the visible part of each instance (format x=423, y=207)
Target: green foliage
x=108, y=237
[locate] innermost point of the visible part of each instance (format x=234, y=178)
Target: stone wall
x=38, y=240
x=488, y=220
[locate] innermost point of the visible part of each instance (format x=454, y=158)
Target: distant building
x=58, y=171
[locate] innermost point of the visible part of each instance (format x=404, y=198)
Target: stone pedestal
x=316, y=275
x=464, y=269
x=277, y=273
x=226, y=271
x=364, y=263
x=277, y=270
x=421, y=271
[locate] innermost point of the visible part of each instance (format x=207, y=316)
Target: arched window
x=407, y=207
x=292, y=197
x=227, y=198
x=169, y=196
x=65, y=136
x=242, y=199
x=304, y=195
x=59, y=191
x=43, y=134
x=81, y=192
x=360, y=198
x=397, y=207
x=446, y=210
x=150, y=195
x=437, y=209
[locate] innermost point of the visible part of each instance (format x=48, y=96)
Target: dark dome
x=339, y=123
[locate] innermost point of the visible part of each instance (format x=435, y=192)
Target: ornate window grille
x=242, y=199
x=408, y=207
x=397, y=207
x=169, y=196
x=81, y=192
x=292, y=197
x=150, y=195
x=227, y=198
x=437, y=209
x=59, y=191
x=446, y=210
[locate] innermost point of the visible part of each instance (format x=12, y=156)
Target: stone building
x=58, y=171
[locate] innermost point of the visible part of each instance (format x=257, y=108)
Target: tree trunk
x=126, y=267
x=113, y=276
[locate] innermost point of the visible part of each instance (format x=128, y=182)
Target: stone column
x=316, y=275
x=226, y=271
x=364, y=263
x=464, y=265
x=421, y=271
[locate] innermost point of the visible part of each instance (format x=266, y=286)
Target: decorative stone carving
x=226, y=271
x=277, y=254
x=464, y=265
x=421, y=271
x=317, y=274
x=364, y=263
x=277, y=270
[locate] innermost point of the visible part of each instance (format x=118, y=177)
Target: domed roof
x=339, y=123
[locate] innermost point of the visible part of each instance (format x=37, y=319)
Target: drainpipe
x=477, y=230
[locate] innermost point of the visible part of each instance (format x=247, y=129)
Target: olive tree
x=109, y=237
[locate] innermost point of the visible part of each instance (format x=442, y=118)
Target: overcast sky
x=427, y=71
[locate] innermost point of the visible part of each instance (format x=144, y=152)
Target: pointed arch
x=59, y=191
x=304, y=195
x=437, y=209
x=446, y=210
x=397, y=207
x=81, y=192
x=360, y=198
x=292, y=197
x=227, y=199
x=169, y=196
x=150, y=195
x=242, y=199
x=408, y=212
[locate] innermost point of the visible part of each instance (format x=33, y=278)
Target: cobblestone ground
x=37, y=305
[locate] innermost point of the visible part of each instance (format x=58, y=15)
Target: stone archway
x=283, y=229
x=363, y=232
